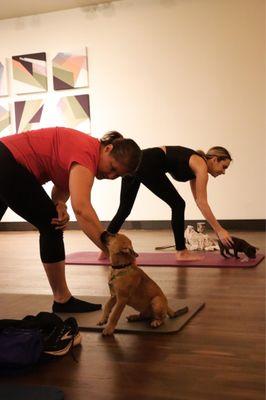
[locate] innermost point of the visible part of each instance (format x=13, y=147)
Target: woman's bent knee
x=52, y=246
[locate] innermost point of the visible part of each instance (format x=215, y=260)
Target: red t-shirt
x=49, y=153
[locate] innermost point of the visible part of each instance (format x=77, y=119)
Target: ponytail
x=217, y=151
x=202, y=154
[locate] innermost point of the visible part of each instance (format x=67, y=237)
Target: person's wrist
x=61, y=203
x=219, y=232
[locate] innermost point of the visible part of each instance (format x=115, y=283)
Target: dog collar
x=120, y=266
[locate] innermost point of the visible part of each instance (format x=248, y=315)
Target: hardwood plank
x=219, y=355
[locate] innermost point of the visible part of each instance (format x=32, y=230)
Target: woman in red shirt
x=71, y=160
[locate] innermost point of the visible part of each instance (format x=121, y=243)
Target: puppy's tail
x=174, y=314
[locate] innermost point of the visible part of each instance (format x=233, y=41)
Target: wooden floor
x=219, y=355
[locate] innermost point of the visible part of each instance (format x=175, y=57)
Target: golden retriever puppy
x=129, y=285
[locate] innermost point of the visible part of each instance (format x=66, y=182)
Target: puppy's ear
x=134, y=254
x=128, y=251
x=104, y=237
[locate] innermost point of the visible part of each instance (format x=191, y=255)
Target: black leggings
x=152, y=173
x=20, y=191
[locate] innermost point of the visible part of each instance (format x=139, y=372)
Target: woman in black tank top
x=183, y=164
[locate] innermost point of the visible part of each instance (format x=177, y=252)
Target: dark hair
x=110, y=137
x=217, y=151
x=125, y=151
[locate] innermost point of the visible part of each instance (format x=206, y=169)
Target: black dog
x=241, y=246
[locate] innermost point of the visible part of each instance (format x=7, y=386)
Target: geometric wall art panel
x=5, y=126
x=3, y=79
x=28, y=114
x=74, y=112
x=70, y=71
x=29, y=73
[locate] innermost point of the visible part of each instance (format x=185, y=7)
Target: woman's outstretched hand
x=103, y=256
x=225, y=237
x=63, y=216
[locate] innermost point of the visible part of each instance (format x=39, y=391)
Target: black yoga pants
x=20, y=191
x=152, y=174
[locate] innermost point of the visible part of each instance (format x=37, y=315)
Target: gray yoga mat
x=17, y=306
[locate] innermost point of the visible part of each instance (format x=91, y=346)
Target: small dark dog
x=240, y=246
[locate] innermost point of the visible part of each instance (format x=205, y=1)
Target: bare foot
x=186, y=255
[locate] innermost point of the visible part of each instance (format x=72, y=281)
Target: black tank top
x=175, y=162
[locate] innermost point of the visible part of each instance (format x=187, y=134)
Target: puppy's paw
x=156, y=322
x=102, y=322
x=108, y=331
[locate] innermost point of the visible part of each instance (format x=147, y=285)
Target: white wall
x=188, y=72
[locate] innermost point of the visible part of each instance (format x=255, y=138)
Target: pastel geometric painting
x=28, y=114
x=29, y=73
x=5, y=125
x=74, y=112
x=3, y=79
x=70, y=71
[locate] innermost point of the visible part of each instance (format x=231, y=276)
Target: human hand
x=225, y=237
x=63, y=216
x=103, y=256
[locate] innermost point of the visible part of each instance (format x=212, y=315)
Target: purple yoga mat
x=211, y=259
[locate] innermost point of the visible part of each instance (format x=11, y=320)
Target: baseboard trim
x=230, y=224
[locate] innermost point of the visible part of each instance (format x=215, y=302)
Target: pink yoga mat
x=211, y=259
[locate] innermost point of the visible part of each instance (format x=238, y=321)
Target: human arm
x=59, y=198
x=80, y=185
x=58, y=195
x=199, y=191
